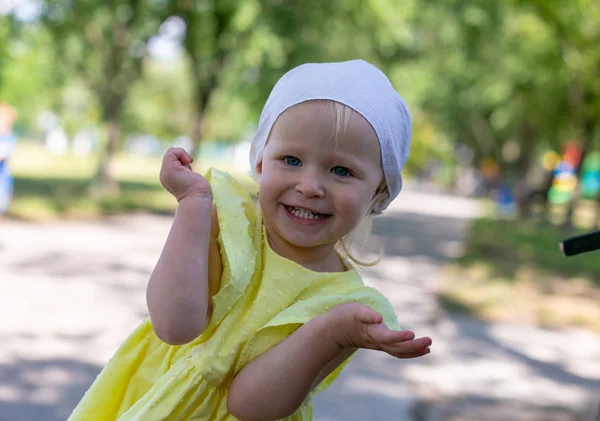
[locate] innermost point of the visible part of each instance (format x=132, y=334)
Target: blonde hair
x=361, y=233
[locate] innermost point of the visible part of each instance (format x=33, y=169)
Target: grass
x=56, y=187
x=513, y=271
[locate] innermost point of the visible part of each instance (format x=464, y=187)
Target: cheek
x=353, y=202
x=267, y=189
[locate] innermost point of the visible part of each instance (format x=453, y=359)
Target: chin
x=303, y=242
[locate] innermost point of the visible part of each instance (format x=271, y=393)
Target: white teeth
x=305, y=214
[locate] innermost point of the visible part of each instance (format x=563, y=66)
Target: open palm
x=359, y=326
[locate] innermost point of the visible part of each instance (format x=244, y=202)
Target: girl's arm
x=188, y=271
x=184, y=278
x=274, y=385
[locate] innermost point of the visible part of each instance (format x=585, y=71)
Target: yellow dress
x=263, y=298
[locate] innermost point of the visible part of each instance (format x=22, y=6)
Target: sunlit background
x=505, y=163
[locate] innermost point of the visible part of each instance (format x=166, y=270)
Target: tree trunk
x=523, y=191
x=104, y=183
x=544, y=195
x=587, y=133
x=203, y=94
x=568, y=222
x=197, y=134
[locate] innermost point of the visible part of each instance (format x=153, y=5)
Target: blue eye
x=292, y=160
x=341, y=171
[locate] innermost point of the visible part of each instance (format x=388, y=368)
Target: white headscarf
x=358, y=85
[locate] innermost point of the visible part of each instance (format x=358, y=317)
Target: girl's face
x=315, y=189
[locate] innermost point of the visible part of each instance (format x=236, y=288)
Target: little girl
x=253, y=309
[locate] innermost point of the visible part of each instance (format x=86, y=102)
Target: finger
x=186, y=159
x=178, y=154
x=382, y=335
x=409, y=347
x=412, y=355
x=172, y=155
x=367, y=315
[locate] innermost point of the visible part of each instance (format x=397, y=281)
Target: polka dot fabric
x=262, y=299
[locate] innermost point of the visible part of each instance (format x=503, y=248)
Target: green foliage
x=103, y=44
x=4, y=46
x=160, y=102
x=267, y=38
x=576, y=27
x=484, y=74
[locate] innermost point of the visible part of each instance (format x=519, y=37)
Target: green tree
x=104, y=44
x=238, y=49
x=575, y=26
x=495, y=80
x=5, y=40
x=216, y=31
x=160, y=102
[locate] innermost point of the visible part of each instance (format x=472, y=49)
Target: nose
x=310, y=185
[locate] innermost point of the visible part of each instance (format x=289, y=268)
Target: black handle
x=581, y=243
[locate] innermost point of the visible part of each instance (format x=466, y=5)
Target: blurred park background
x=505, y=98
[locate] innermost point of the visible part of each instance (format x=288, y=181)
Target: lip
x=305, y=222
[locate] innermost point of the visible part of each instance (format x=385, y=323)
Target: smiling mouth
x=305, y=213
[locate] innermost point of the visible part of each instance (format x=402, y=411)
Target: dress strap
x=240, y=229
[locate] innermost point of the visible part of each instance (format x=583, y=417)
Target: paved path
x=70, y=292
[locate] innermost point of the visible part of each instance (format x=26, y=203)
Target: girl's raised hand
x=356, y=325
x=177, y=176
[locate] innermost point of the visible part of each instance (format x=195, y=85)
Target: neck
x=319, y=258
